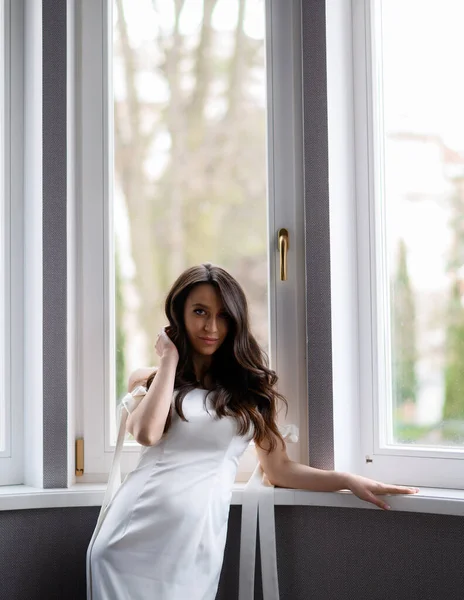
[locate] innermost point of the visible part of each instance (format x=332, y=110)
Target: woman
x=164, y=533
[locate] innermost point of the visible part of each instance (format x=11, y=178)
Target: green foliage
x=408, y=433
x=403, y=347
x=448, y=432
x=454, y=366
x=121, y=384
x=454, y=369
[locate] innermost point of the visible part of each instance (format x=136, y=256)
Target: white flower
x=290, y=432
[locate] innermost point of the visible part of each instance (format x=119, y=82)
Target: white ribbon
x=258, y=502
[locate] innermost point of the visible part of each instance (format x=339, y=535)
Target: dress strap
x=258, y=501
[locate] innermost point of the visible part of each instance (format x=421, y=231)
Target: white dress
x=164, y=531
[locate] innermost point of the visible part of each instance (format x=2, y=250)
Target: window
x=180, y=103
x=189, y=176
x=11, y=245
x=410, y=199
x=4, y=432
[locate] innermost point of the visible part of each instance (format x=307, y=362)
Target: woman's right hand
x=165, y=347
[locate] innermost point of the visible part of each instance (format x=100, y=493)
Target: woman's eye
x=198, y=310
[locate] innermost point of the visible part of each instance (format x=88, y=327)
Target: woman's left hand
x=365, y=488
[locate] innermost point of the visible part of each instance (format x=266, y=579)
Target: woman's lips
x=209, y=341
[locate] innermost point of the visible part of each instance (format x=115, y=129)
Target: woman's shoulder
x=139, y=377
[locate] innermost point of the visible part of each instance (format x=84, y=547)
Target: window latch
x=79, y=457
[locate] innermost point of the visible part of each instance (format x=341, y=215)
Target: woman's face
x=205, y=319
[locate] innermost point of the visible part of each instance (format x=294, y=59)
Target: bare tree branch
x=175, y=250
x=203, y=74
x=236, y=79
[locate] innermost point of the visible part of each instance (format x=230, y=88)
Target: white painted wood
x=12, y=250
x=32, y=234
x=429, y=500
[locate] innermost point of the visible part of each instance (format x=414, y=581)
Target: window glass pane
x=189, y=93
x=423, y=138
x=3, y=239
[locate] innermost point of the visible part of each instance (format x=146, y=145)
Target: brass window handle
x=283, y=246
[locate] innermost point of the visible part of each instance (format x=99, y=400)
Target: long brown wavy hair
x=243, y=384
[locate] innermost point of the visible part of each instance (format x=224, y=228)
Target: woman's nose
x=211, y=325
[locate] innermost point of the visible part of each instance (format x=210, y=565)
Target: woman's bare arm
x=147, y=421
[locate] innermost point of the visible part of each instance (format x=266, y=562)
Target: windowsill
x=428, y=500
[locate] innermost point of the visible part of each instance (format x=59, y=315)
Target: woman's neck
x=201, y=365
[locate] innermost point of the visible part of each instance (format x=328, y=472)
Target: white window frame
x=11, y=255
x=94, y=296
x=354, y=123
